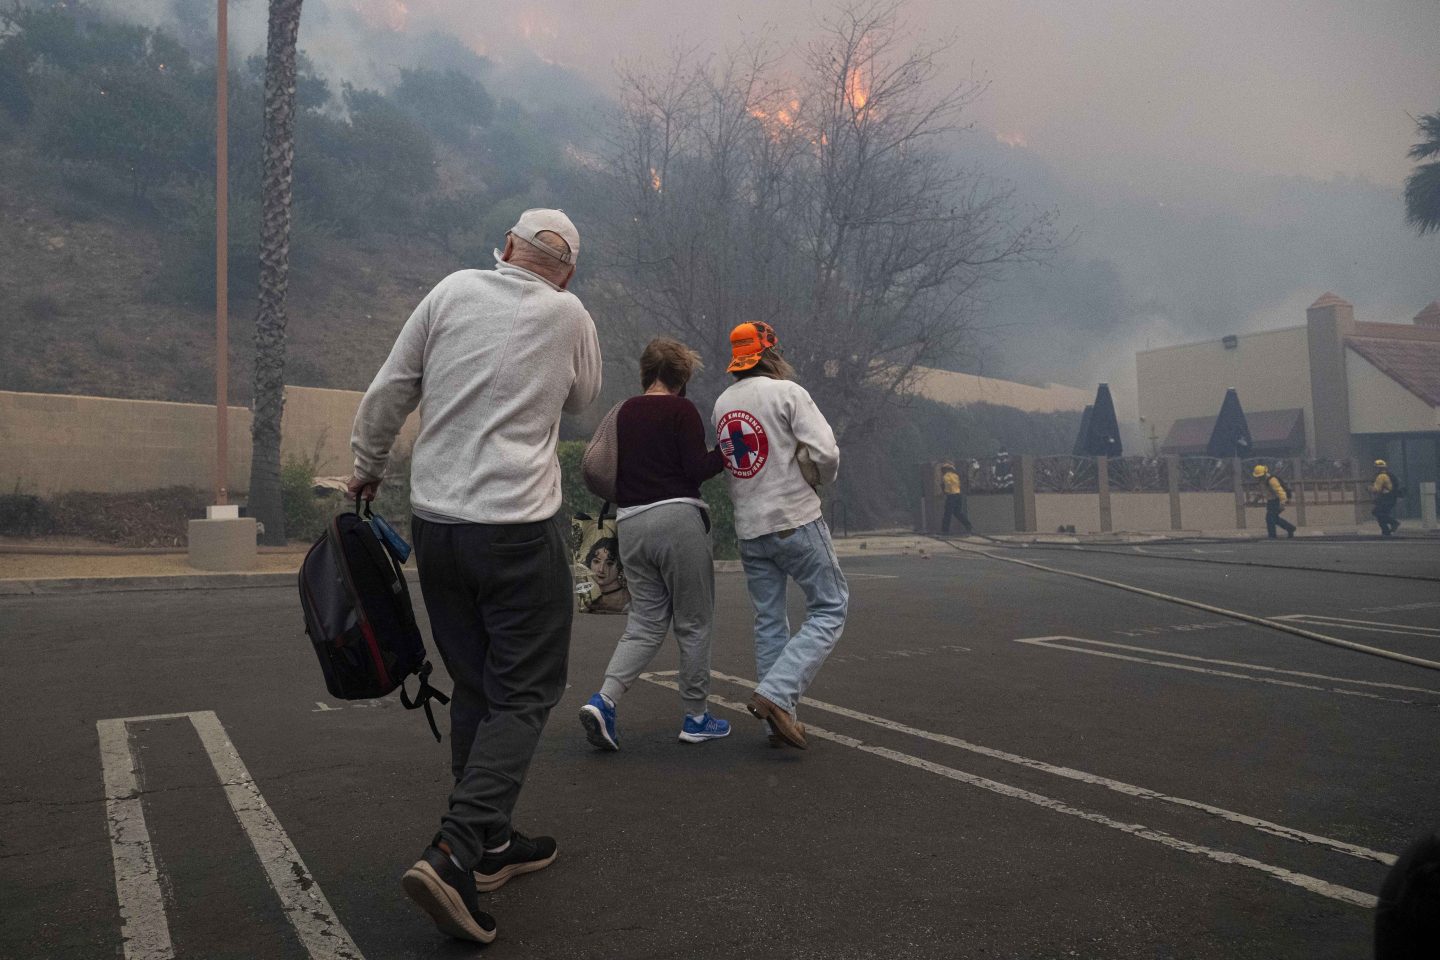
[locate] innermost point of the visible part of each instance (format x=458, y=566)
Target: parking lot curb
x=199, y=581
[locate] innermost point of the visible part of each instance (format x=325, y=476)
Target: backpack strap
x=370, y=541
x=423, y=695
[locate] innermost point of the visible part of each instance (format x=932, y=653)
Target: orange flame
x=857, y=87
x=655, y=183
x=786, y=116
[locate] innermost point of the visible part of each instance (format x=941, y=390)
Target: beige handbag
x=601, y=463
x=599, y=575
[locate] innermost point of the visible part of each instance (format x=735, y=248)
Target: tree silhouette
x=1422, y=188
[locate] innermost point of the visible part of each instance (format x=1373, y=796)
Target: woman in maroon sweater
x=664, y=532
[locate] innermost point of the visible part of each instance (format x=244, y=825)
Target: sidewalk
x=41, y=568
x=1412, y=530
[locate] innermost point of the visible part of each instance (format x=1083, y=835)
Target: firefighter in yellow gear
x=954, y=498
x=1386, y=492
x=1276, y=497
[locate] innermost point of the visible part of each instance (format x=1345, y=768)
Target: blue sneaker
x=708, y=727
x=598, y=719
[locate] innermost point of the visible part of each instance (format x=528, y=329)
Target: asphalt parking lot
x=1007, y=762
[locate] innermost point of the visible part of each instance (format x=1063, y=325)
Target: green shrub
x=572, y=484
x=22, y=515
x=716, y=492
x=306, y=514
x=393, y=500
x=144, y=518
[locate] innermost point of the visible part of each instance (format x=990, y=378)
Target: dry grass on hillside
x=81, y=309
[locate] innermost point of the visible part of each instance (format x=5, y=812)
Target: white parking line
x=1313, y=884
x=1422, y=605
x=1370, y=626
x=1233, y=614
x=1144, y=793
x=1050, y=643
x=1233, y=663
x=144, y=927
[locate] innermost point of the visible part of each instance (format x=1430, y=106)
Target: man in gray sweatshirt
x=492, y=358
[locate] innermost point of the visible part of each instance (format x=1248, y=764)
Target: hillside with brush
x=107, y=210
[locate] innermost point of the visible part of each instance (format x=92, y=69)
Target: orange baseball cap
x=747, y=342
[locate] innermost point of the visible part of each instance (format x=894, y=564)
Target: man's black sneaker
x=447, y=894
x=524, y=855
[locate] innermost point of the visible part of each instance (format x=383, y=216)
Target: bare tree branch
x=830, y=204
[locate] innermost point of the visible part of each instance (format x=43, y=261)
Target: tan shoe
x=773, y=738
x=782, y=724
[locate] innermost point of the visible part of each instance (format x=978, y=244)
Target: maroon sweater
x=663, y=452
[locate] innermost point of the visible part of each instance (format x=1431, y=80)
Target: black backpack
x=1284, y=487
x=358, y=614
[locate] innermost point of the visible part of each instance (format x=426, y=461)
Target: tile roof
x=1394, y=331
x=1414, y=364
x=1270, y=431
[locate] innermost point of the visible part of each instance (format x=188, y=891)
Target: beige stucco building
x=1332, y=388
x=963, y=389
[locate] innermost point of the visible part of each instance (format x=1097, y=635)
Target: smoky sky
x=1123, y=88
x=1311, y=87
x=1219, y=165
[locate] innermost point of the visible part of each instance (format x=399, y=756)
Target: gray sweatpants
x=666, y=555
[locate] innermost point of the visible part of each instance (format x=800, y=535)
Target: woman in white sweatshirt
x=778, y=448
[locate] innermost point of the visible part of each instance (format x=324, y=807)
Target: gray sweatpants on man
x=665, y=552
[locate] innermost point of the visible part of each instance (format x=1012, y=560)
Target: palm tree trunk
x=269, y=389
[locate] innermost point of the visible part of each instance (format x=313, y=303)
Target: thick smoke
x=1220, y=170
x=1211, y=255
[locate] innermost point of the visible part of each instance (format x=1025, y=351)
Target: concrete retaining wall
x=1210, y=511
x=57, y=443
x=1078, y=510
x=991, y=513
x=1107, y=510
x=1141, y=511
x=1316, y=515
x=1334, y=515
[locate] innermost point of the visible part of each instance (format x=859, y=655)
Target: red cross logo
x=743, y=441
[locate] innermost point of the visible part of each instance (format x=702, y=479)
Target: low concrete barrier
x=1095, y=504
x=59, y=443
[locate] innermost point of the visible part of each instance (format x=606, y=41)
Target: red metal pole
x=222, y=254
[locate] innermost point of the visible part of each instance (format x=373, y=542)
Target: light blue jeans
x=785, y=665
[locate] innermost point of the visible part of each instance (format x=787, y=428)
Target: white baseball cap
x=538, y=220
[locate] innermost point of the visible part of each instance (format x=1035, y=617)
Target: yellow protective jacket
x=949, y=481
x=1383, y=484
x=1273, y=488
